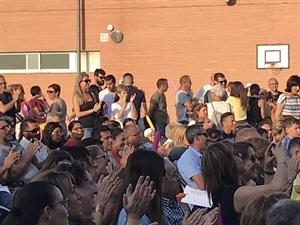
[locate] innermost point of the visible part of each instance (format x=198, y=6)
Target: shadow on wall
x=231, y=2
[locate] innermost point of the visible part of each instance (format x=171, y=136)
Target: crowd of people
x=118, y=160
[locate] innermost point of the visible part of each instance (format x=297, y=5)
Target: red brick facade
x=161, y=38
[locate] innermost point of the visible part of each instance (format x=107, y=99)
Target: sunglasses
x=86, y=81
x=101, y=77
x=34, y=131
x=223, y=82
x=50, y=92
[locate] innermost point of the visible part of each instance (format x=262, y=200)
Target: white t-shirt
x=108, y=98
x=115, y=109
x=221, y=107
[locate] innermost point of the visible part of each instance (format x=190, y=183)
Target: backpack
x=26, y=109
x=216, y=118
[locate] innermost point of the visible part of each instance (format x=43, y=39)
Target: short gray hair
x=218, y=90
x=285, y=212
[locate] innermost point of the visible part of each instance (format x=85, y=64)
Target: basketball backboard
x=277, y=55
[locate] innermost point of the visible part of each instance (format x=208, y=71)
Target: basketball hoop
x=274, y=67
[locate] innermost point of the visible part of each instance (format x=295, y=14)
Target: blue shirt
x=181, y=98
x=287, y=146
x=189, y=165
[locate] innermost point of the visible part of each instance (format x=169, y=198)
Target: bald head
x=246, y=133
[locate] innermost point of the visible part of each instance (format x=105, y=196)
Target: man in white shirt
x=108, y=94
x=30, y=130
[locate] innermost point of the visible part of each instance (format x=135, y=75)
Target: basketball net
x=275, y=70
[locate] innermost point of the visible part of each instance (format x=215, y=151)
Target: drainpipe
x=78, y=37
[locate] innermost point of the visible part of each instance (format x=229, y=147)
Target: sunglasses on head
x=86, y=81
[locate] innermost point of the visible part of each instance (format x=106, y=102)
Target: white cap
x=147, y=132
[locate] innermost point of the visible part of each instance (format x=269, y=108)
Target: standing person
x=202, y=91
x=139, y=101
x=219, y=79
x=57, y=111
x=158, y=106
x=238, y=100
x=122, y=108
x=7, y=100
x=256, y=112
x=217, y=106
x=288, y=103
x=38, y=104
x=183, y=101
x=85, y=107
x=108, y=94
x=99, y=76
x=273, y=94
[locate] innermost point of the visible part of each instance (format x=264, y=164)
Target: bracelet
x=100, y=209
x=269, y=172
x=284, y=162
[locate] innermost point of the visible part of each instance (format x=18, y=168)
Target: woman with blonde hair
x=85, y=106
x=169, y=131
x=179, y=142
x=278, y=131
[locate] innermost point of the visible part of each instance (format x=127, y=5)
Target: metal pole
x=78, y=37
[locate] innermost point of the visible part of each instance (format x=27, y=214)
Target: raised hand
x=211, y=217
x=32, y=149
x=107, y=186
x=132, y=97
x=127, y=151
x=11, y=158
x=137, y=202
x=16, y=94
x=197, y=217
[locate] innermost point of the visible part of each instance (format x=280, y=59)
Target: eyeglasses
x=50, y=92
x=34, y=131
x=59, y=132
x=86, y=81
x=5, y=127
x=100, y=156
x=236, y=153
x=64, y=202
x=4, y=83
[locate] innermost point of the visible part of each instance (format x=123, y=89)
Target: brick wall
x=161, y=38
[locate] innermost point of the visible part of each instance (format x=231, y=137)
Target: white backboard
x=275, y=54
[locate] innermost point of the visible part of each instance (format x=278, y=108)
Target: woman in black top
x=221, y=168
x=256, y=111
x=85, y=106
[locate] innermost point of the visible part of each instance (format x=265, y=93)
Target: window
x=48, y=62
